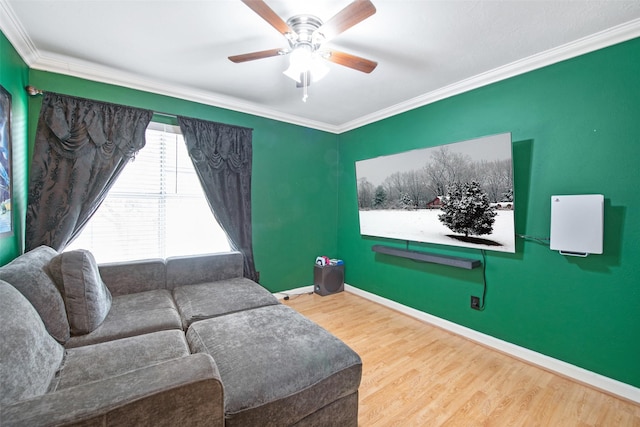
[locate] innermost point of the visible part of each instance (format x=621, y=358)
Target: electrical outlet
x=475, y=303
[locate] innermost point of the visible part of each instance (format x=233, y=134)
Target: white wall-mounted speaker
x=328, y=280
x=577, y=224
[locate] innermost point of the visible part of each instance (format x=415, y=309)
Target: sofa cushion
x=132, y=315
x=86, y=298
x=206, y=300
x=29, y=274
x=29, y=356
x=130, y=277
x=277, y=366
x=100, y=361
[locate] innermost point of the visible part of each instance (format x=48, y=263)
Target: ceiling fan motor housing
x=304, y=28
x=305, y=35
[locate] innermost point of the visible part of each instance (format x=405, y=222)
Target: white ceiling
x=426, y=50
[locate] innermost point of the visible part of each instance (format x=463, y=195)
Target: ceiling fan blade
x=266, y=13
x=354, y=13
x=255, y=55
x=352, y=61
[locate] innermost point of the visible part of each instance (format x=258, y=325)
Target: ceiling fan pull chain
x=305, y=85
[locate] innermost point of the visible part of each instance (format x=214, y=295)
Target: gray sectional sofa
x=181, y=341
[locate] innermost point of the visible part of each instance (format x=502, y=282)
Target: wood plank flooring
x=415, y=374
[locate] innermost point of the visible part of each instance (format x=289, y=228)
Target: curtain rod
x=173, y=116
x=33, y=91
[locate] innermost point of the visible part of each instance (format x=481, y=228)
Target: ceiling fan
x=306, y=35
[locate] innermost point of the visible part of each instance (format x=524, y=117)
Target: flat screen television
x=458, y=194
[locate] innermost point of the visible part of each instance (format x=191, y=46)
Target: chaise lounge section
x=185, y=340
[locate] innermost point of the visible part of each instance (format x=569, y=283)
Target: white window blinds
x=156, y=208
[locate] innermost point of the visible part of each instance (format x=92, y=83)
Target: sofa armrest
x=184, y=391
x=130, y=277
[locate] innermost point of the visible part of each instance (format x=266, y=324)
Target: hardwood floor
x=415, y=374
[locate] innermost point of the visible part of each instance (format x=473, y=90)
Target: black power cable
x=484, y=278
x=287, y=297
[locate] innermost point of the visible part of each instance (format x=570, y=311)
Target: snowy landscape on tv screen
x=459, y=194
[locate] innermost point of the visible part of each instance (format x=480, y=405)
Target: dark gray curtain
x=81, y=146
x=221, y=155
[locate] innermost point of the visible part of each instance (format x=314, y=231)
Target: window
x=155, y=209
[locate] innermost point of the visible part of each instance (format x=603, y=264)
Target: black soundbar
x=428, y=257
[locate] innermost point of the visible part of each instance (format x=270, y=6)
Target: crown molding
x=44, y=61
x=15, y=33
x=606, y=38
x=59, y=64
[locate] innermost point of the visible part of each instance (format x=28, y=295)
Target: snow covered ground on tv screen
x=423, y=225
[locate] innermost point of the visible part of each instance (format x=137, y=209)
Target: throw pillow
x=86, y=297
x=28, y=274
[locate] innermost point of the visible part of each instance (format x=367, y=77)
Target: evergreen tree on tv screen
x=466, y=209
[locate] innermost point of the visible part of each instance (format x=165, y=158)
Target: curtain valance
x=80, y=148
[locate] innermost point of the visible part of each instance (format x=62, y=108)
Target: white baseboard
x=568, y=370
x=589, y=378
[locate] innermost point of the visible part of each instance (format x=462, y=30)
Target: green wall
x=294, y=216
x=13, y=77
x=576, y=130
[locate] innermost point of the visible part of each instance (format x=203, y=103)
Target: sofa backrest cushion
x=132, y=277
x=195, y=269
x=86, y=297
x=29, y=356
x=29, y=274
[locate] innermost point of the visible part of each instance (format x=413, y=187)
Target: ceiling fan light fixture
x=297, y=66
x=301, y=56
x=302, y=59
x=306, y=62
x=293, y=74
